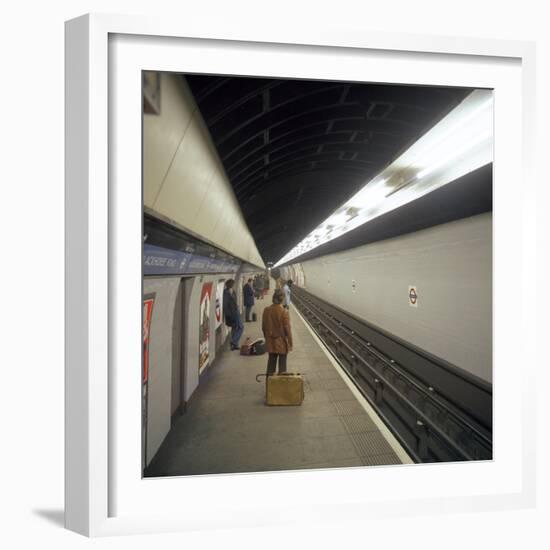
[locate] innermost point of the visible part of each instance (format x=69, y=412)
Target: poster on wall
x=219, y=303
x=204, y=327
x=148, y=302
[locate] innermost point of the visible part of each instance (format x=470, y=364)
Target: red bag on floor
x=245, y=348
x=257, y=347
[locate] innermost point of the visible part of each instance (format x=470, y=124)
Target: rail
x=432, y=424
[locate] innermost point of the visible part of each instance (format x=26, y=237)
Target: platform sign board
x=204, y=327
x=413, y=296
x=148, y=302
x=163, y=261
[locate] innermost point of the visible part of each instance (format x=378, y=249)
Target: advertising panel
x=204, y=327
x=219, y=303
x=148, y=302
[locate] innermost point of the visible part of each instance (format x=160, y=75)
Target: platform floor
x=227, y=428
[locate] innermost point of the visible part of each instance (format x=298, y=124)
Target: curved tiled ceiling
x=295, y=150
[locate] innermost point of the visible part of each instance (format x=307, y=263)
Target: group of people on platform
x=275, y=320
x=260, y=285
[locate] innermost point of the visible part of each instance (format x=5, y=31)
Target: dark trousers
x=236, y=331
x=272, y=362
x=247, y=310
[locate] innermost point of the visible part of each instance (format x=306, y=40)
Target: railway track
x=437, y=413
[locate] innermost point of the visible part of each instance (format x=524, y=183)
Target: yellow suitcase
x=284, y=389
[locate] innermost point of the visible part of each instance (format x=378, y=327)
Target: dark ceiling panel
x=295, y=150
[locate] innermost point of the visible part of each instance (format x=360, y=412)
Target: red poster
x=147, y=313
x=204, y=329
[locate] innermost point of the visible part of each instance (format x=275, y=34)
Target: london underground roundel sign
x=413, y=296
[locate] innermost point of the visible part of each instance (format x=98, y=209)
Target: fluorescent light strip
x=444, y=162
x=468, y=128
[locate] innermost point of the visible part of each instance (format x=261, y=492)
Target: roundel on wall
x=413, y=296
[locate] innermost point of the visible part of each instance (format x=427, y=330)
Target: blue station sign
x=163, y=261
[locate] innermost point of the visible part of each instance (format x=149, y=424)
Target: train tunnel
x=370, y=204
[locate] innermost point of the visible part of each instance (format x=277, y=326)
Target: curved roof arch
x=294, y=150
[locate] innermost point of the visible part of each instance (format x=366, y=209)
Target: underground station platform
x=227, y=428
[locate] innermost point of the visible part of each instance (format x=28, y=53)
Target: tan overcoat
x=276, y=329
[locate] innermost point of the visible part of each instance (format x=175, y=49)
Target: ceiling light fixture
x=458, y=144
x=468, y=147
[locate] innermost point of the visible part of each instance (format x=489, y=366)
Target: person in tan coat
x=277, y=333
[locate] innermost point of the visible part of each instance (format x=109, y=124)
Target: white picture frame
x=105, y=494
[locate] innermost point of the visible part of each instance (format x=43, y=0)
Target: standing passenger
x=277, y=334
x=265, y=284
x=231, y=314
x=286, y=290
x=248, y=295
x=257, y=286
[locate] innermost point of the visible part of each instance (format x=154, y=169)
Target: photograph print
x=317, y=274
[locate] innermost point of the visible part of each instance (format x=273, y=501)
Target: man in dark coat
x=248, y=296
x=231, y=314
x=277, y=333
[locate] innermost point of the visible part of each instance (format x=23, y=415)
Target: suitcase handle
x=258, y=376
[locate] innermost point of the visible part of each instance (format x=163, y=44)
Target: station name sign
x=163, y=261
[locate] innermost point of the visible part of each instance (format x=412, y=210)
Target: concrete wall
x=161, y=357
x=192, y=291
x=183, y=178
x=174, y=348
x=178, y=331
x=451, y=267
